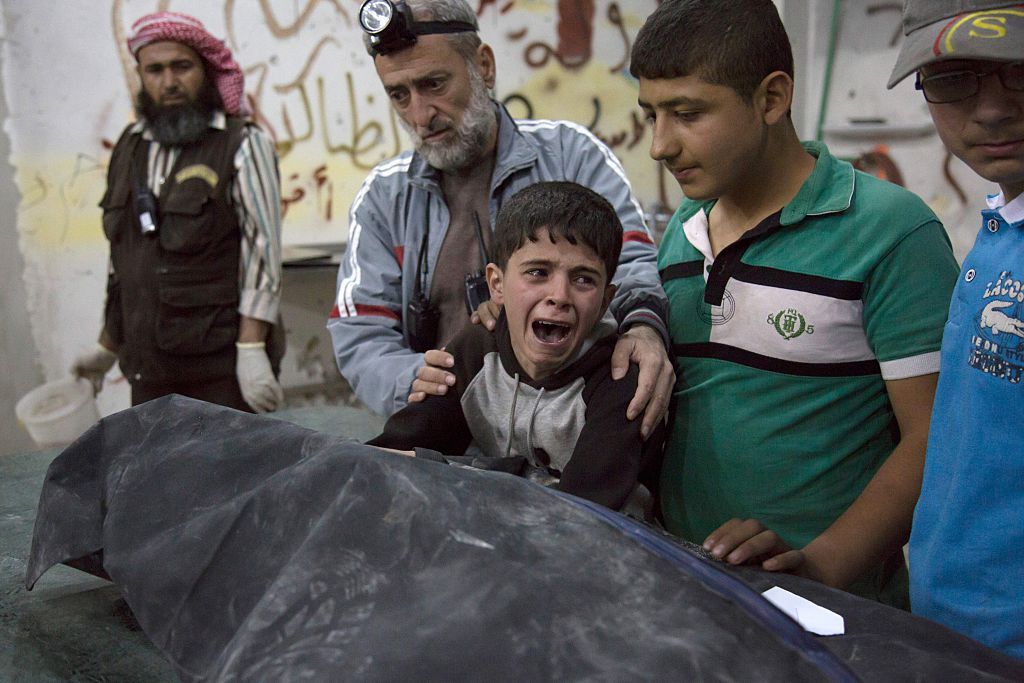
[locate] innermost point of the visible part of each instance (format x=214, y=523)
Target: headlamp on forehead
x=391, y=26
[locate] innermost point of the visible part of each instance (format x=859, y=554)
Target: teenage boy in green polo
x=806, y=309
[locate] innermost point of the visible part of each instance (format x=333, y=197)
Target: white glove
x=93, y=365
x=260, y=388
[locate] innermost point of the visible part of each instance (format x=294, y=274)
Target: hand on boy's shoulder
x=642, y=344
x=437, y=374
x=486, y=314
x=434, y=377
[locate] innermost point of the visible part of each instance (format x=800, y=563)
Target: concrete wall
x=19, y=370
x=860, y=115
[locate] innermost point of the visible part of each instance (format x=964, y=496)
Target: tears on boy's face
x=554, y=293
x=985, y=129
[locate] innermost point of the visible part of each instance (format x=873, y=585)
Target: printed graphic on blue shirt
x=998, y=346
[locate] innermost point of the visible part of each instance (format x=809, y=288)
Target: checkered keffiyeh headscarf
x=220, y=65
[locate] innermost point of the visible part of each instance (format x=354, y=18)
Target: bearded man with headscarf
x=421, y=225
x=192, y=213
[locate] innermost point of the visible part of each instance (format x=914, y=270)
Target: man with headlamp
x=420, y=226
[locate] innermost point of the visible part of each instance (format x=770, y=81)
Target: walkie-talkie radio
x=145, y=209
x=144, y=201
x=477, y=290
x=423, y=317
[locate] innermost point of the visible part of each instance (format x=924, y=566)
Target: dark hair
x=565, y=210
x=735, y=43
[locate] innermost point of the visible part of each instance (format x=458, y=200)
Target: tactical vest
x=172, y=303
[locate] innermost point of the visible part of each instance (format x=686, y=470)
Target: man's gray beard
x=471, y=136
x=175, y=125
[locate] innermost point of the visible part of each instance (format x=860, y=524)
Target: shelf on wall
x=313, y=255
x=879, y=129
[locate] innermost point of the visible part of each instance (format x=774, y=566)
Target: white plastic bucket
x=57, y=413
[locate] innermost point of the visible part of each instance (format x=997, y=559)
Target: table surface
x=68, y=627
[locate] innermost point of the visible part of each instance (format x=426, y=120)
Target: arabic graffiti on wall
x=313, y=89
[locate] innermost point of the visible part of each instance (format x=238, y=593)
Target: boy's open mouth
x=551, y=332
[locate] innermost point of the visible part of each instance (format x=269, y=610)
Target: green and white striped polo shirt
x=783, y=343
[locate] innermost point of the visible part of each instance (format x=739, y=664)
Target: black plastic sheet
x=252, y=549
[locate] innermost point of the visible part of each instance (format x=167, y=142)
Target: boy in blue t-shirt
x=966, y=562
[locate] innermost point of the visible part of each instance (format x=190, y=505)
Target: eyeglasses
x=954, y=86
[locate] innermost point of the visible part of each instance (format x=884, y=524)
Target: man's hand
x=432, y=378
x=260, y=388
x=641, y=344
x=93, y=365
x=747, y=541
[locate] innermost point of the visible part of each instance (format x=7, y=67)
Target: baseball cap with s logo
x=936, y=30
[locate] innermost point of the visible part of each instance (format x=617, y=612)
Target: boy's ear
x=495, y=280
x=774, y=96
x=609, y=294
